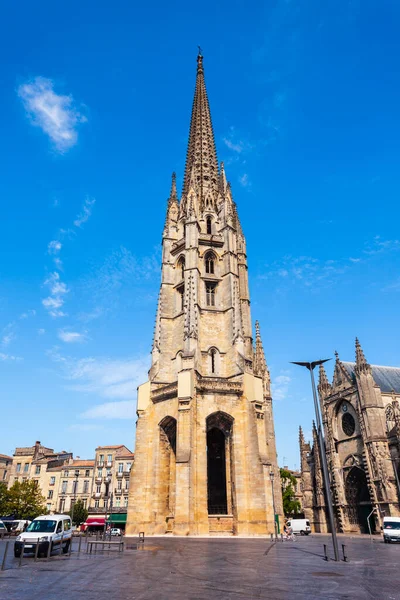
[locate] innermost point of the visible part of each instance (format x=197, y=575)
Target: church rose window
x=348, y=424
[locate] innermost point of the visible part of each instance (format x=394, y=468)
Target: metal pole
x=273, y=508
x=325, y=472
x=369, y=524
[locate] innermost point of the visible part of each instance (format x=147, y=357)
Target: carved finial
x=258, y=336
x=199, y=60
x=337, y=355
x=173, y=195
x=260, y=368
x=361, y=361
x=301, y=436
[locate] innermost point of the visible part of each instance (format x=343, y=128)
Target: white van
x=49, y=529
x=391, y=529
x=299, y=526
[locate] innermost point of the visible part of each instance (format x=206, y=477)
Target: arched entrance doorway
x=219, y=492
x=358, y=500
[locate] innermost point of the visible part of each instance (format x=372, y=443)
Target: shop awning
x=93, y=521
x=117, y=518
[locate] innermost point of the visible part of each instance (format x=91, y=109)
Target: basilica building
x=361, y=421
x=205, y=456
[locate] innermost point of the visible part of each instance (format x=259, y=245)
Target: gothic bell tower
x=205, y=441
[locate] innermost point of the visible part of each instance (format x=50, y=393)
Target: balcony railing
x=118, y=492
x=97, y=495
x=119, y=474
x=99, y=479
x=109, y=463
x=127, y=473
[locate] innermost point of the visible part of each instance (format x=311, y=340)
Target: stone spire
x=173, y=196
x=361, y=362
x=172, y=205
x=324, y=387
x=201, y=158
x=260, y=368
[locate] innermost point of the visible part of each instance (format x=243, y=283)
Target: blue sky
x=94, y=117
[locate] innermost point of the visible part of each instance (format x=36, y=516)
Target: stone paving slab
x=225, y=568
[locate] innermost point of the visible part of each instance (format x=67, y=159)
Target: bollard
x=36, y=549
x=70, y=545
x=80, y=542
x=272, y=537
x=281, y=537
x=49, y=550
x=344, y=552
x=3, y=564
x=141, y=537
x=22, y=554
x=325, y=553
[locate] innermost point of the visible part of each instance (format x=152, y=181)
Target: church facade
x=205, y=440
x=361, y=421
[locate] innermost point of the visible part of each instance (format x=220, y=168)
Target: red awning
x=94, y=521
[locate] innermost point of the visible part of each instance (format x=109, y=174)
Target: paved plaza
x=203, y=568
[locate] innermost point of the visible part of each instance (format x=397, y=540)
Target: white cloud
x=71, y=336
x=280, y=387
x=54, y=247
x=111, y=410
x=55, y=114
x=244, y=180
x=86, y=212
x=55, y=301
x=6, y=357
x=110, y=378
x=41, y=331
x=28, y=313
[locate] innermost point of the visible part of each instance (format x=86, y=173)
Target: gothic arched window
x=209, y=225
x=348, y=424
x=213, y=361
x=181, y=268
x=181, y=297
x=210, y=293
x=210, y=263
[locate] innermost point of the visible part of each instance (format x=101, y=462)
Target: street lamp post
x=75, y=489
x=271, y=476
x=108, y=483
x=311, y=366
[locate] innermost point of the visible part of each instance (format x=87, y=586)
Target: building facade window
x=62, y=505
x=66, y=473
x=96, y=503
x=100, y=473
x=98, y=489
x=209, y=225
x=50, y=494
x=127, y=484
x=119, y=484
x=120, y=467
x=117, y=502
x=18, y=467
x=74, y=487
x=48, y=506
x=5, y=475
x=64, y=487
x=210, y=263
x=101, y=457
x=26, y=467
x=109, y=457
x=87, y=473
x=181, y=268
x=128, y=466
x=348, y=424
x=126, y=501
x=85, y=487
x=210, y=293
x=52, y=480
x=37, y=470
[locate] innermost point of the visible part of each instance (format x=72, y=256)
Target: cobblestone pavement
x=203, y=568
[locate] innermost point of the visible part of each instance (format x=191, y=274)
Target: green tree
x=80, y=513
x=291, y=506
x=25, y=500
x=3, y=499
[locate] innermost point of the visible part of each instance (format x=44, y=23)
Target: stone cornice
x=165, y=392
x=222, y=386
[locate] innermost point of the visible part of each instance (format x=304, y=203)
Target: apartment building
x=101, y=483
x=5, y=468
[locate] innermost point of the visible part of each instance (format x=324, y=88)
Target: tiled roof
x=128, y=454
x=387, y=378
x=81, y=463
x=5, y=457
x=109, y=447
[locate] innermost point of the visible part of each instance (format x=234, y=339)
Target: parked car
x=45, y=530
x=299, y=526
x=3, y=529
x=391, y=529
x=17, y=526
x=116, y=531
